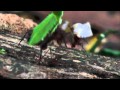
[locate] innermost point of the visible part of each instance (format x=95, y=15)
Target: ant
x=57, y=35
x=64, y=33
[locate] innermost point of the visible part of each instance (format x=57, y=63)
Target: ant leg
x=42, y=47
x=22, y=38
x=64, y=42
x=40, y=54
x=50, y=51
x=83, y=46
x=85, y=40
x=45, y=53
x=63, y=35
x=53, y=62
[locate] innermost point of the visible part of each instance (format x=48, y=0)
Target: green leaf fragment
x=2, y=51
x=47, y=26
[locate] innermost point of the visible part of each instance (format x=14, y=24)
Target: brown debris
x=15, y=24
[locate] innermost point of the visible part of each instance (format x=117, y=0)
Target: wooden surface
x=20, y=62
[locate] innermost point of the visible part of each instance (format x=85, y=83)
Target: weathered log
x=62, y=63
x=20, y=62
